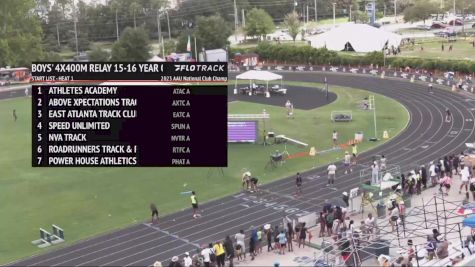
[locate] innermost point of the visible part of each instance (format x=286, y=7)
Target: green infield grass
x=90, y=201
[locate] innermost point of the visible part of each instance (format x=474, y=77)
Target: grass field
x=462, y=49
x=90, y=201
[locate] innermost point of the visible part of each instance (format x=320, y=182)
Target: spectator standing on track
x=298, y=183
x=347, y=162
x=269, y=239
x=303, y=235
x=331, y=174
x=447, y=166
x=346, y=199
x=322, y=222
x=175, y=262
x=418, y=182
x=239, y=252
x=290, y=237
x=187, y=261
x=276, y=237
x=282, y=242
x=440, y=168
x=259, y=240
x=194, y=205
x=229, y=249
x=445, y=182
x=374, y=173
x=423, y=173
x=206, y=253
x=433, y=174
x=335, y=138
x=472, y=187
x=382, y=163
x=329, y=218
x=154, y=210
x=465, y=177
x=455, y=163
x=354, y=151
x=220, y=253
x=240, y=237
x=429, y=88
x=253, y=244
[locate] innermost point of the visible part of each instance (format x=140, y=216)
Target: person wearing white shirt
x=206, y=256
x=331, y=174
x=335, y=138
x=433, y=174
x=240, y=237
x=465, y=176
x=347, y=162
x=187, y=261
x=374, y=173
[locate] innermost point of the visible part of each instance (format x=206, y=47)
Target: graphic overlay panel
x=152, y=125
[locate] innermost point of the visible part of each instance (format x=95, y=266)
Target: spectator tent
x=259, y=75
x=156, y=59
x=355, y=37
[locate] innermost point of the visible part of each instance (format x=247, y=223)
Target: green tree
x=98, y=54
x=292, y=23
x=259, y=23
x=421, y=10
x=213, y=32
x=361, y=16
x=20, y=33
x=133, y=45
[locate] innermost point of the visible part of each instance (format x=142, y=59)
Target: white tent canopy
x=156, y=59
x=259, y=75
x=361, y=37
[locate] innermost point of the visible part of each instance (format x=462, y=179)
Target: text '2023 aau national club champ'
x=152, y=124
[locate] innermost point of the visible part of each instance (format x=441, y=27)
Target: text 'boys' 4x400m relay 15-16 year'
x=124, y=115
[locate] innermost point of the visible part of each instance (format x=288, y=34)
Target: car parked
x=438, y=25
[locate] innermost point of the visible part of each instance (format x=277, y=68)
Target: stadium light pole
x=235, y=21
x=374, y=117
x=395, y=11
x=315, y=2
x=454, y=15
x=168, y=22
x=350, y=11
x=334, y=19
x=76, y=29
x=116, y=25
